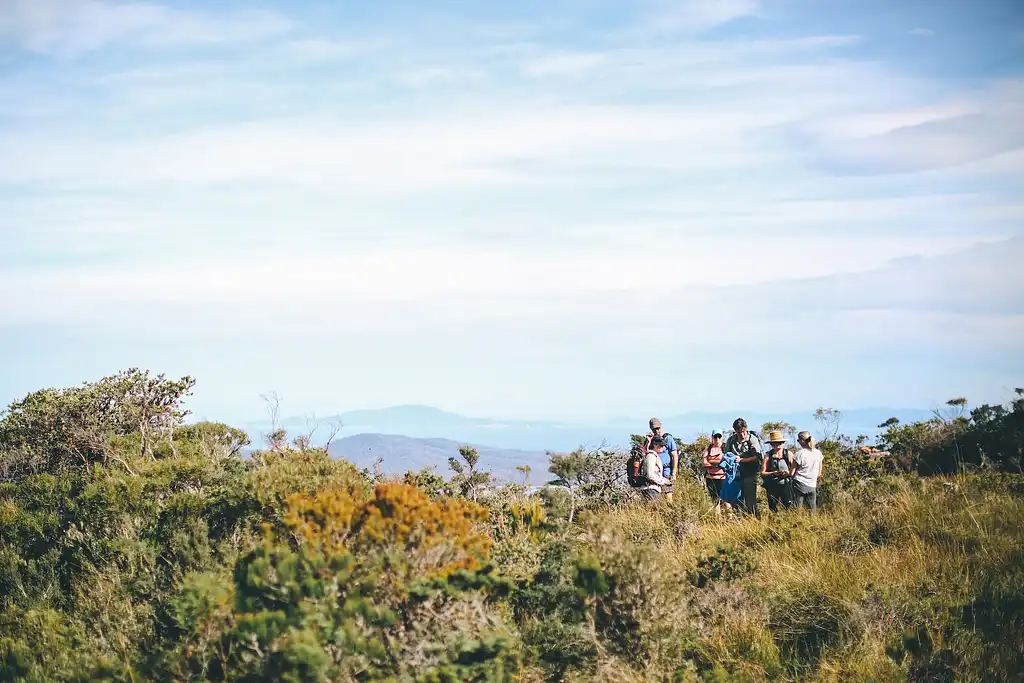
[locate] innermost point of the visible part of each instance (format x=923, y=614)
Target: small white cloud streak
x=696, y=15
x=664, y=61
x=69, y=28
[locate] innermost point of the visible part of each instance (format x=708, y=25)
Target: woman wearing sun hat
x=776, y=472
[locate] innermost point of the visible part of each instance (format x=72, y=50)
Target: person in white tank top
x=807, y=472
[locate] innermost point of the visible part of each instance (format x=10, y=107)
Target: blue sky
x=560, y=209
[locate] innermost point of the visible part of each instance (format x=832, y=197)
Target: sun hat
x=775, y=436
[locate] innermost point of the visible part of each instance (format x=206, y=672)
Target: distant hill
x=426, y=422
x=402, y=453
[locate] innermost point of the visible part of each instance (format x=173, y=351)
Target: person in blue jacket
x=732, y=487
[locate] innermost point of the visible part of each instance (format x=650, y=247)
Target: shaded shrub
x=725, y=564
x=808, y=621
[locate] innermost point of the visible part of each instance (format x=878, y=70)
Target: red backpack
x=635, y=465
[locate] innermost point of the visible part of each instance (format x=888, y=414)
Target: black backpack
x=635, y=465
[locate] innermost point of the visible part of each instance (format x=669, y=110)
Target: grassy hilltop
x=135, y=547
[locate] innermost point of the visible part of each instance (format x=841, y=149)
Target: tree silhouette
x=467, y=480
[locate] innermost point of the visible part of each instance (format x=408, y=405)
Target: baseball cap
x=716, y=432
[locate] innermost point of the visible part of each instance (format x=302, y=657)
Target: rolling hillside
x=402, y=453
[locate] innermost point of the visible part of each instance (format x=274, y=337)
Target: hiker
x=730, y=491
x=807, y=472
x=714, y=475
x=654, y=471
x=669, y=457
x=749, y=452
x=776, y=473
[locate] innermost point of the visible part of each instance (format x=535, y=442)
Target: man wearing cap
x=669, y=457
x=749, y=451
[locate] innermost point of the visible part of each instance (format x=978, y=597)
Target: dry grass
x=835, y=592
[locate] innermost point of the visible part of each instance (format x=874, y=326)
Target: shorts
x=714, y=487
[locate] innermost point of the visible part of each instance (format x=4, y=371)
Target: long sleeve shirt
x=652, y=465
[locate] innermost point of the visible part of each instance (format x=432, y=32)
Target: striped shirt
x=712, y=470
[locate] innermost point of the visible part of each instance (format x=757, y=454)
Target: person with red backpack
x=669, y=456
x=644, y=469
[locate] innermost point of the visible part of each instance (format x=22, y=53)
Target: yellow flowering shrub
x=438, y=537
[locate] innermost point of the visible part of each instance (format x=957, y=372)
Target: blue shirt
x=666, y=456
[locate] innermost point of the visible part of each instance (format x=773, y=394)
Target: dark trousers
x=748, y=487
x=650, y=494
x=714, y=487
x=778, y=493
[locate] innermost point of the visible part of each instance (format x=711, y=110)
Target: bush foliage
x=136, y=547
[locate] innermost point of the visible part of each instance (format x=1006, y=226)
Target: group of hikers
x=732, y=468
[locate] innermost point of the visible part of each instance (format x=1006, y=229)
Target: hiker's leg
x=773, y=498
x=812, y=500
x=749, y=488
x=787, y=495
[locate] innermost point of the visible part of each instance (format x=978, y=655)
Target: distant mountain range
x=414, y=436
x=403, y=453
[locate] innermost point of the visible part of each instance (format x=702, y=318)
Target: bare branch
x=334, y=427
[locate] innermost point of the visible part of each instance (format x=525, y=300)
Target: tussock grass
x=917, y=580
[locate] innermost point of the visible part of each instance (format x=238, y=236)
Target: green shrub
x=725, y=564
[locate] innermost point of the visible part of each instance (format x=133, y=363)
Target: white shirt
x=808, y=466
x=653, y=465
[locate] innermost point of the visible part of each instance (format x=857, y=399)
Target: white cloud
x=466, y=141
x=969, y=128
x=651, y=65
x=440, y=76
x=74, y=27
x=466, y=149
x=319, y=50
x=438, y=275
x=697, y=15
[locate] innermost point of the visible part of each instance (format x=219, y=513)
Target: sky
x=564, y=209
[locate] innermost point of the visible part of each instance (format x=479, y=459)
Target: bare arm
x=794, y=465
x=708, y=461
